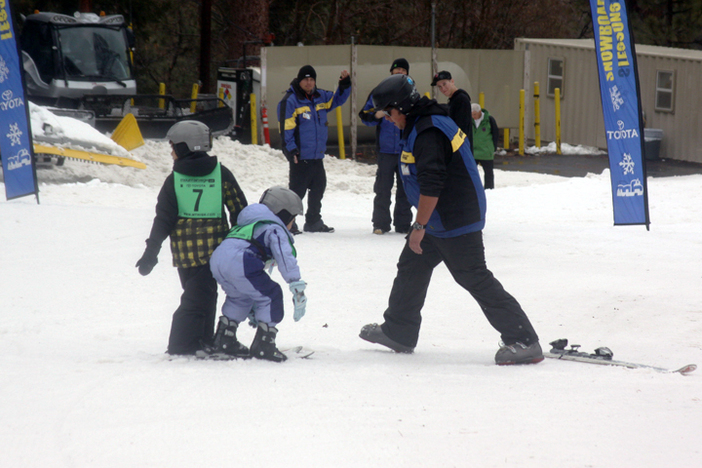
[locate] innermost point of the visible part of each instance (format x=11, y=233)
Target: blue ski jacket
x=270, y=235
x=387, y=134
x=302, y=120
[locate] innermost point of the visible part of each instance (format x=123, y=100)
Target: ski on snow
x=603, y=356
x=297, y=352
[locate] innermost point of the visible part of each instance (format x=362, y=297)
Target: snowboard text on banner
x=621, y=106
x=16, y=149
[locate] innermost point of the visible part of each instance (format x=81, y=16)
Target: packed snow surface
x=85, y=381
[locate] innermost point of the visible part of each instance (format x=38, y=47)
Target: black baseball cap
x=442, y=75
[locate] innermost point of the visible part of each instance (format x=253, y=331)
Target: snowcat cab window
x=37, y=42
x=92, y=53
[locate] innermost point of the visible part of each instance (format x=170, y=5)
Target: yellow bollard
x=193, y=96
x=521, y=121
x=161, y=92
x=506, y=143
x=254, y=127
x=537, y=116
x=340, y=133
x=558, y=120
x=481, y=100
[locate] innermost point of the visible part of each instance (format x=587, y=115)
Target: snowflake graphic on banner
x=14, y=134
x=616, y=98
x=627, y=164
x=4, y=71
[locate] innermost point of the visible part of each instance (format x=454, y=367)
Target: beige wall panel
x=582, y=121
x=500, y=75
x=499, y=78
x=681, y=128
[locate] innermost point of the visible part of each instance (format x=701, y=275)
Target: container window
x=665, y=90
x=556, y=68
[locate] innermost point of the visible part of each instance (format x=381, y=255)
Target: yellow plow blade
x=88, y=156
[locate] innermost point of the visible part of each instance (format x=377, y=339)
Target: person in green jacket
x=485, y=137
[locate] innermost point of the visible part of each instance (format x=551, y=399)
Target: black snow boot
x=374, y=333
x=225, y=340
x=263, y=346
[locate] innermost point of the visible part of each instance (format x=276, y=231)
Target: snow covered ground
x=84, y=381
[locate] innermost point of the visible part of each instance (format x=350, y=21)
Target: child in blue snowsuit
x=261, y=239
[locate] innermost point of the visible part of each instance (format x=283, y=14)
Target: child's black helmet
x=396, y=91
x=284, y=203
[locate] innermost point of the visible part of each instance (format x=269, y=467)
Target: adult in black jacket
x=459, y=103
x=190, y=209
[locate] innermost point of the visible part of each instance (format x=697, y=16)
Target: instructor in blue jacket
x=302, y=122
x=442, y=182
x=388, y=138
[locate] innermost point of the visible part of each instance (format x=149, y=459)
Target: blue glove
x=299, y=298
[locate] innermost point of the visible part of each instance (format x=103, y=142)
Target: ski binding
x=603, y=356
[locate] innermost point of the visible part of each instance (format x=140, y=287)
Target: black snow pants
x=488, y=167
x=194, y=319
x=465, y=258
x=309, y=175
x=387, y=175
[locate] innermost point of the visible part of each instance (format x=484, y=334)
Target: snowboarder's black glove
x=345, y=82
x=148, y=261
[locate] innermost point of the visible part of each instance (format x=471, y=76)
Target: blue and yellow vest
x=302, y=121
x=467, y=219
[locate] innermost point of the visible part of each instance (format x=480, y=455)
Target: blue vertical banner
x=621, y=106
x=16, y=148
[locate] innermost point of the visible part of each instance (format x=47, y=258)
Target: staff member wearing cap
x=388, y=142
x=302, y=122
x=459, y=103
